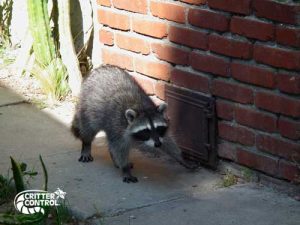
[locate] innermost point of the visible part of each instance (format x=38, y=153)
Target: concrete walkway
x=165, y=194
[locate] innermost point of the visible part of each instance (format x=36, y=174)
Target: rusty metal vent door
x=193, y=124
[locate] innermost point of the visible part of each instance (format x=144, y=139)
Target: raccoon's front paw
x=86, y=158
x=130, y=179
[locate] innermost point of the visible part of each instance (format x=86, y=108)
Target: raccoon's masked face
x=148, y=128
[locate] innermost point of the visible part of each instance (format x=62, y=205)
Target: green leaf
x=31, y=173
x=18, y=175
x=23, y=166
x=45, y=174
x=21, y=219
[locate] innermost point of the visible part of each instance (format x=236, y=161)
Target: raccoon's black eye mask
x=161, y=130
x=145, y=134
x=142, y=135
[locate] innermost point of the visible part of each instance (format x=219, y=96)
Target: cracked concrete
x=165, y=194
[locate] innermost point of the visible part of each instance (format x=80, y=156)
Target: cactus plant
x=49, y=69
x=67, y=49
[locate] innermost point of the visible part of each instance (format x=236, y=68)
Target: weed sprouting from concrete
x=229, y=179
x=247, y=174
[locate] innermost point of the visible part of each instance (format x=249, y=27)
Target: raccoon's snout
x=153, y=143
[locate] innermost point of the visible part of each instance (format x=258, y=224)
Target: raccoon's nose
x=157, y=144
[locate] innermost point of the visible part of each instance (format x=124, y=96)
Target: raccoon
x=113, y=102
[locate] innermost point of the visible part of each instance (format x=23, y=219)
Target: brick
x=277, y=11
x=289, y=171
x=170, y=54
x=227, y=150
x=230, y=47
x=288, y=36
x=104, y=2
x=195, y=2
x=106, y=37
x=113, y=20
x=278, y=103
x=289, y=83
x=156, y=100
x=210, y=63
x=278, y=57
x=289, y=128
x=208, y=19
x=117, y=59
x=138, y=6
x=149, y=27
x=235, y=6
x=188, y=37
x=190, y=80
x=256, y=119
x=252, y=28
x=133, y=44
x=253, y=74
x=276, y=146
x=258, y=161
x=225, y=110
x=168, y=11
x=153, y=69
x=237, y=134
x=147, y=84
x=232, y=91
x=160, y=89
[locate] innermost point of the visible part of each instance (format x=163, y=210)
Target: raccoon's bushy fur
x=103, y=103
x=106, y=94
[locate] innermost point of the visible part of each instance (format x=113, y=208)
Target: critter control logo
x=33, y=201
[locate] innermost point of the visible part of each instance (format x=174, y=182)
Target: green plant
x=247, y=174
x=62, y=213
x=52, y=79
x=5, y=57
x=48, y=69
x=67, y=49
x=7, y=191
x=19, y=173
x=40, y=104
x=229, y=179
x=5, y=20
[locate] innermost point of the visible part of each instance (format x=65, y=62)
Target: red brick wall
x=246, y=53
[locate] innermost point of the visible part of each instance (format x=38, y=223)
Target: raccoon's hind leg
x=119, y=153
x=86, y=135
x=75, y=127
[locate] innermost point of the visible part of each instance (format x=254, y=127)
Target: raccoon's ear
x=130, y=115
x=162, y=108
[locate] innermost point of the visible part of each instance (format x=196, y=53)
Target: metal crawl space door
x=193, y=124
